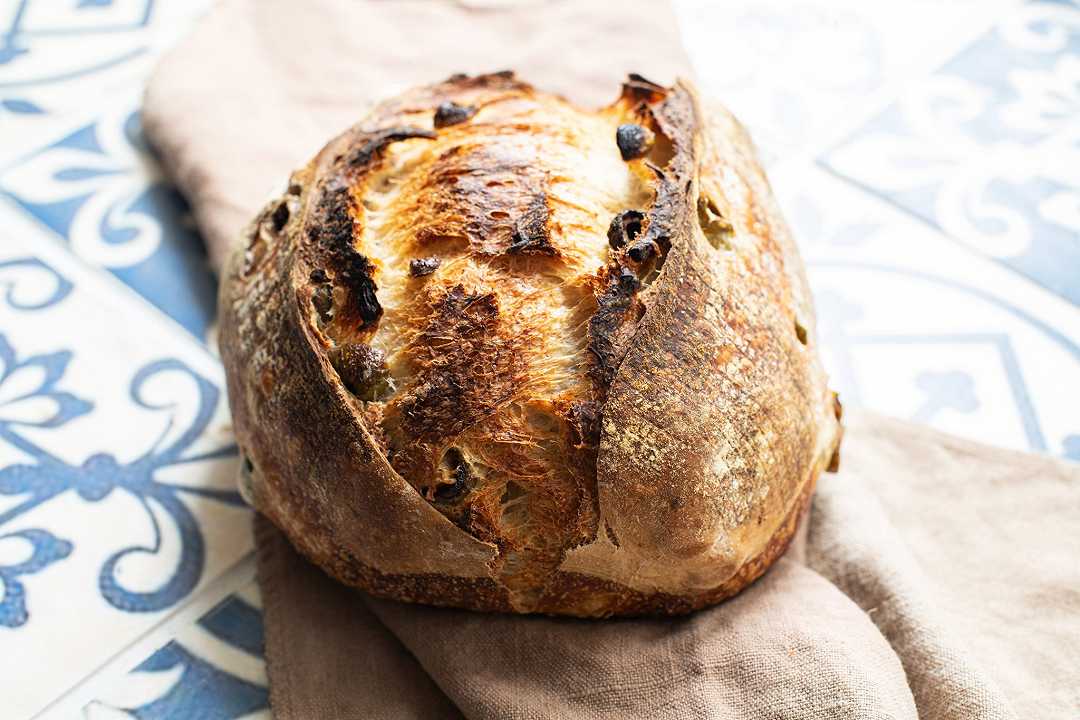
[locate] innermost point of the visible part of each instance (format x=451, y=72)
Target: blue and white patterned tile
x=919, y=327
x=212, y=669
x=117, y=500
x=987, y=148
x=97, y=187
x=59, y=56
x=798, y=71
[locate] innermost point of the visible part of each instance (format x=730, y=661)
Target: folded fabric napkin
x=935, y=578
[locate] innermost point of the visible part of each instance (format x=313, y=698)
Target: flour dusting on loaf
x=495, y=351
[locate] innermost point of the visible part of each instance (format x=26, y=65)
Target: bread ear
x=718, y=418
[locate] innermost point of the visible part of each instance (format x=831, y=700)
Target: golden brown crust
x=493, y=351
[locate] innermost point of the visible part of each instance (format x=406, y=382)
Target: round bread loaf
x=494, y=351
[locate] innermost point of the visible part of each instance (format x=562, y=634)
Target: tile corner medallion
x=963, y=344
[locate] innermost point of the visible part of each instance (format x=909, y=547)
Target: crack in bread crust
x=500, y=362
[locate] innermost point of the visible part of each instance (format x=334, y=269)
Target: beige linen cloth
x=934, y=578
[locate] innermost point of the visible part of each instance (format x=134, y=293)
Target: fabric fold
x=869, y=627
x=790, y=646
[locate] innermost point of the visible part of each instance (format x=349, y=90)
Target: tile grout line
x=240, y=574
x=967, y=248
x=118, y=286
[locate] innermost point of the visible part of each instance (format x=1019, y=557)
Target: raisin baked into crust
x=494, y=351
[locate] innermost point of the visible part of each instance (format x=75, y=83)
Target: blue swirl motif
x=102, y=474
x=985, y=148
x=13, y=281
x=17, y=48
x=184, y=679
x=21, y=292
x=38, y=403
x=950, y=390
x=99, y=190
x=46, y=549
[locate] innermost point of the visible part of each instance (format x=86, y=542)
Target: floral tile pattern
x=117, y=497
x=959, y=343
x=924, y=152
x=99, y=189
x=987, y=147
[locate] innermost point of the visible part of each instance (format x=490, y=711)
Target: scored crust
x=494, y=351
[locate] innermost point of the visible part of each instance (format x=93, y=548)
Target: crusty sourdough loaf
x=494, y=351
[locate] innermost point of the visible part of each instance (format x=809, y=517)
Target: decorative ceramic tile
x=988, y=147
x=97, y=187
x=117, y=497
x=914, y=325
x=795, y=72
x=56, y=56
x=126, y=573
x=212, y=669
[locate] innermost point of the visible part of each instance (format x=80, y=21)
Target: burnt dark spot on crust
x=295, y=188
x=464, y=370
x=531, y=236
x=463, y=351
x=322, y=299
x=665, y=220
x=419, y=267
x=583, y=419
x=624, y=228
x=628, y=281
x=459, y=475
x=639, y=88
x=634, y=140
x=611, y=328
x=641, y=251
x=450, y=113
x=280, y=216
x=362, y=370
x=332, y=232
x=374, y=143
